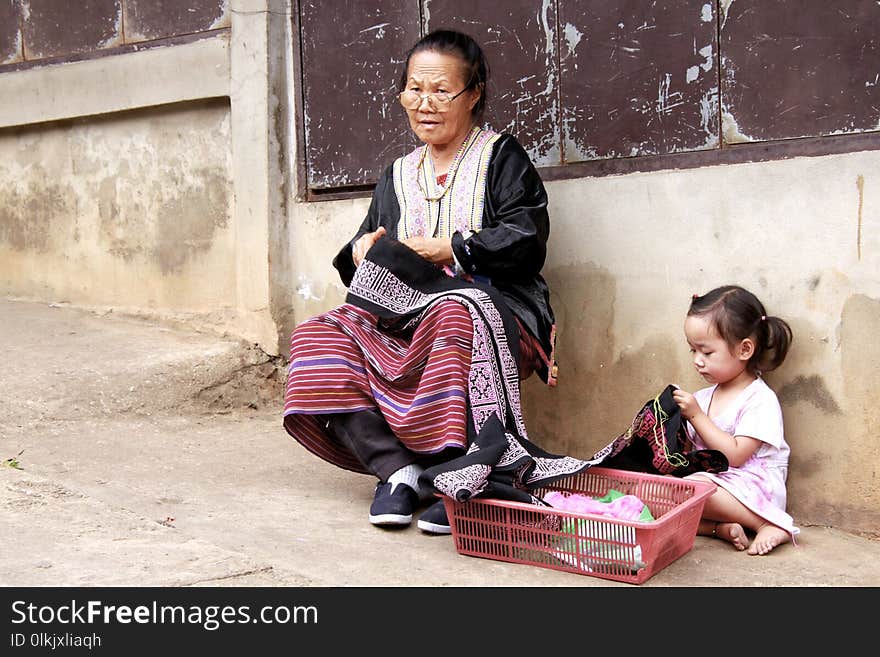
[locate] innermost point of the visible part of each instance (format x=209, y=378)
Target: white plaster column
x=252, y=166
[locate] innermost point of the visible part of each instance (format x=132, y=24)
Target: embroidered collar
x=455, y=205
x=425, y=169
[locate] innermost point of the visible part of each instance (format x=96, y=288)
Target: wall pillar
x=256, y=166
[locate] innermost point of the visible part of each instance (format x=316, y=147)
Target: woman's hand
x=433, y=249
x=364, y=243
x=686, y=402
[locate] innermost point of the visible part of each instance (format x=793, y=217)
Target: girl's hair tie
x=763, y=318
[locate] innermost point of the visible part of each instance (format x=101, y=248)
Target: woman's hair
x=738, y=314
x=458, y=44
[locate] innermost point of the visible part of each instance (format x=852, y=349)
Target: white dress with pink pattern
x=759, y=483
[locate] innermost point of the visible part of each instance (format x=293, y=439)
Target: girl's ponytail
x=774, y=339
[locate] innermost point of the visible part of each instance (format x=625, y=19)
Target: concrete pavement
x=153, y=456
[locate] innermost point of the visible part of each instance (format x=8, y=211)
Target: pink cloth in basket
x=626, y=507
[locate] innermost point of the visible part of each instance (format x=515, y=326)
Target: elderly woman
x=415, y=379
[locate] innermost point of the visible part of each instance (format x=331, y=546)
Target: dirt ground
x=135, y=454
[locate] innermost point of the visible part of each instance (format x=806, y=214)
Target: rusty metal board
x=10, y=31
x=798, y=69
x=54, y=28
x=638, y=78
x=520, y=43
x=156, y=19
x=354, y=126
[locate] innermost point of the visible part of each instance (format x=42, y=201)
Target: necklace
x=453, y=168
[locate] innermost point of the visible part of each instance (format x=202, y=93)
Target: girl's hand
x=686, y=402
x=433, y=249
x=365, y=241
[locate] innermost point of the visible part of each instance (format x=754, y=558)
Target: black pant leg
x=371, y=440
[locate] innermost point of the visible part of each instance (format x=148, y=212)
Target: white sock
x=408, y=474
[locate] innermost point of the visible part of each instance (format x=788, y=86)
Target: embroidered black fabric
x=484, y=471
x=656, y=442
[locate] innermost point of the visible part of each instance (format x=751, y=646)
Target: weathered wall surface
x=157, y=169
x=131, y=211
x=626, y=254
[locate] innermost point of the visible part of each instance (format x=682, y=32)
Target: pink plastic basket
x=601, y=546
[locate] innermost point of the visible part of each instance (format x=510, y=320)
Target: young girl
x=733, y=341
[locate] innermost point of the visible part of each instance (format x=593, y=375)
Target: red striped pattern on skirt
x=341, y=362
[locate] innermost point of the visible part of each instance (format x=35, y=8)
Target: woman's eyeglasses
x=439, y=101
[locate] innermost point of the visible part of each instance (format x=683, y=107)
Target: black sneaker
x=393, y=508
x=434, y=520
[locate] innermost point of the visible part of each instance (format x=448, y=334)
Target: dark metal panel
x=157, y=19
x=10, y=31
x=57, y=27
x=638, y=77
x=753, y=152
x=797, y=69
x=520, y=43
x=352, y=59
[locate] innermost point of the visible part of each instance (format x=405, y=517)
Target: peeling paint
x=706, y=13
x=549, y=38
x=708, y=117
x=223, y=19
x=725, y=8
x=667, y=101
x=706, y=52
x=821, y=65
x=573, y=37
x=304, y=290
x=693, y=72
x=19, y=49
x=535, y=111
x=623, y=101
x=352, y=146
x=730, y=130
x=117, y=38
x=144, y=20
x=578, y=152
x=380, y=29
x=63, y=29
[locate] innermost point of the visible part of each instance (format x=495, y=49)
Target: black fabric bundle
x=657, y=442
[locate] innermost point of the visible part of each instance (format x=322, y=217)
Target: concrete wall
x=628, y=252
x=137, y=205
x=140, y=181
x=164, y=182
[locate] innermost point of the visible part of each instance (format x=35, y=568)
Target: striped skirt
x=341, y=361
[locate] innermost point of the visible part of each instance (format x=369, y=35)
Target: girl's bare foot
x=733, y=533
x=767, y=538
